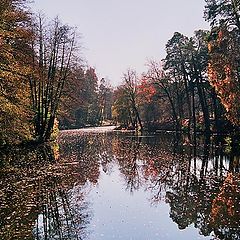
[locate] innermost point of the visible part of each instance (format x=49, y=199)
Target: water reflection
x=52, y=196
x=38, y=198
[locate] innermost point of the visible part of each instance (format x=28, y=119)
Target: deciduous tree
x=52, y=54
x=224, y=63
x=15, y=38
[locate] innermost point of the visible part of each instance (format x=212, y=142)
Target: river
x=100, y=184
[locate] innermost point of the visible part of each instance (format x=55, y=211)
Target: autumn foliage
x=41, y=77
x=15, y=38
x=223, y=71
x=195, y=88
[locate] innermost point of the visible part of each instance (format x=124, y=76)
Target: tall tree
x=149, y=103
x=80, y=103
x=224, y=63
x=223, y=70
x=73, y=99
x=51, y=59
x=91, y=96
x=176, y=64
x=199, y=59
x=105, y=100
x=186, y=65
x=131, y=83
x=223, y=12
x=166, y=89
x=15, y=38
x=126, y=105
x=121, y=112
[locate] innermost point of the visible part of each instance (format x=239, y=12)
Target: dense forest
x=45, y=85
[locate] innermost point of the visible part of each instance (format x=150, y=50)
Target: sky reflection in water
x=119, y=214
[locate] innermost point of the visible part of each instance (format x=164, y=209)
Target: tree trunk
x=202, y=98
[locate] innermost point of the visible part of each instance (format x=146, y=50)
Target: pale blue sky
x=117, y=35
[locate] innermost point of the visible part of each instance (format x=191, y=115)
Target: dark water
x=119, y=186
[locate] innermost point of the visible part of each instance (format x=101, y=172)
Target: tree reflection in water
x=63, y=213
x=41, y=198
x=205, y=196
x=45, y=198
x=201, y=185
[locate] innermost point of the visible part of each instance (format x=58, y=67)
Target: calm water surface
x=110, y=185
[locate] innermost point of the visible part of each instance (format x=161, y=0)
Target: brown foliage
x=223, y=71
